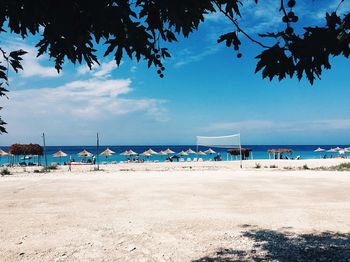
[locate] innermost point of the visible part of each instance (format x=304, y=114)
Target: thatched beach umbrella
x=169, y=151
x=319, y=150
x=107, y=153
x=332, y=150
x=60, y=154
x=183, y=153
x=162, y=153
x=125, y=153
x=201, y=153
x=209, y=151
x=132, y=152
x=152, y=152
x=3, y=153
x=145, y=154
x=190, y=151
x=84, y=153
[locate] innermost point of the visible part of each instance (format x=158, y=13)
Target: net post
x=240, y=149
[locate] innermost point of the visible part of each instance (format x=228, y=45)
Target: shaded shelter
x=237, y=152
x=209, y=151
x=201, y=153
x=107, y=153
x=125, y=153
x=17, y=150
x=169, y=151
x=278, y=153
x=152, y=152
x=3, y=153
x=319, y=150
x=60, y=154
x=183, y=153
x=332, y=150
x=131, y=153
x=84, y=153
x=190, y=151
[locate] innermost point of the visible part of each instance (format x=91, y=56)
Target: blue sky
x=206, y=91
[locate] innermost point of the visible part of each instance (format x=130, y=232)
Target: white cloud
x=103, y=70
x=186, y=56
x=32, y=65
x=78, y=109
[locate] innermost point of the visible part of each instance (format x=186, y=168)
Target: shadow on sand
x=272, y=245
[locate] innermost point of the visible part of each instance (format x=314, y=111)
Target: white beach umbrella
x=190, y=151
x=169, y=151
x=183, y=153
x=338, y=148
x=145, y=154
x=319, y=150
x=209, y=151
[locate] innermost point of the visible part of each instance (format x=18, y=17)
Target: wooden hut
x=278, y=153
x=17, y=150
x=237, y=152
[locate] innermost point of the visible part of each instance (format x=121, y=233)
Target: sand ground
x=176, y=213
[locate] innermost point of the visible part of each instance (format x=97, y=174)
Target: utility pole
x=45, y=157
x=97, y=150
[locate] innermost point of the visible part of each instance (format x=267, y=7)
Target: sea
x=258, y=152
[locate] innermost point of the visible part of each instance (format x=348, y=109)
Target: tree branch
x=238, y=27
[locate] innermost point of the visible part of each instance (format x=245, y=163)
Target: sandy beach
x=177, y=212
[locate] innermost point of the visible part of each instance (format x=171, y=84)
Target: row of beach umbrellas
x=334, y=150
x=149, y=152
x=109, y=152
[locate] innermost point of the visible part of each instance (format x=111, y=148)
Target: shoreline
x=257, y=165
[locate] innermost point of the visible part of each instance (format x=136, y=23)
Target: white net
x=231, y=141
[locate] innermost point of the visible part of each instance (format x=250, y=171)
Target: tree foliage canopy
x=140, y=29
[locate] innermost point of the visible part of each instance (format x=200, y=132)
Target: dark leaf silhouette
x=141, y=30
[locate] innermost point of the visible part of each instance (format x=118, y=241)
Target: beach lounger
x=195, y=159
x=114, y=162
x=200, y=159
x=181, y=160
x=188, y=159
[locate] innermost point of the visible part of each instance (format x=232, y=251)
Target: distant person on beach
x=218, y=157
x=94, y=160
